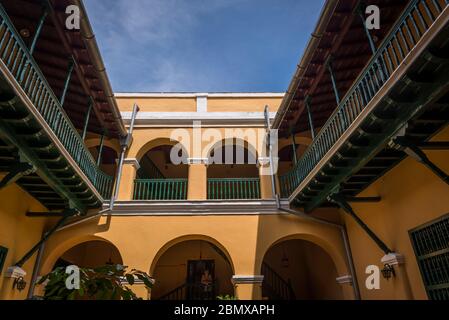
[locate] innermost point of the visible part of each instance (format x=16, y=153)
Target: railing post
x=67, y=80
x=100, y=151
x=368, y=34
x=39, y=27
x=333, y=79
x=86, y=120
x=309, y=115
x=295, y=158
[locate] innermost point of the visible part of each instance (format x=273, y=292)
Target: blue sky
x=202, y=46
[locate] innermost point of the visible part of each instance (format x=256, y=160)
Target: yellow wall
x=19, y=234
x=411, y=196
x=242, y=104
x=149, y=237
x=158, y=104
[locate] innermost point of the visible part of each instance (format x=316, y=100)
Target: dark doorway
x=201, y=280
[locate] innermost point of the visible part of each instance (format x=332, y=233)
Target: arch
x=189, y=237
x=324, y=244
x=192, y=267
x=65, y=246
x=297, y=268
x=160, y=142
x=239, y=142
x=95, y=142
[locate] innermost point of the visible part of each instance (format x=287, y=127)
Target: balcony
x=389, y=92
x=38, y=126
x=233, y=189
x=160, y=189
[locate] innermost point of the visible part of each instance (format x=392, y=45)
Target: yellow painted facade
x=163, y=243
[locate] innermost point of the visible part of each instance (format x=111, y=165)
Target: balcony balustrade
x=160, y=189
x=15, y=55
x=416, y=19
x=233, y=189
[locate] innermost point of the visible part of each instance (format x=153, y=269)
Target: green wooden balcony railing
x=233, y=189
x=15, y=55
x=160, y=189
x=402, y=39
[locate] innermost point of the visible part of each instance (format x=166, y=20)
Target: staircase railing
x=191, y=291
x=416, y=19
x=15, y=55
x=233, y=189
x=160, y=189
x=274, y=286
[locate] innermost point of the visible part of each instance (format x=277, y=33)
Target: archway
x=192, y=269
x=299, y=269
x=163, y=172
x=90, y=254
x=108, y=161
x=232, y=171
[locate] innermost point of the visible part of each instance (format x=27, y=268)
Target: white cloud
x=131, y=29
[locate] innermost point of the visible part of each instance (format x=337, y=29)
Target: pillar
x=126, y=185
x=248, y=287
x=266, y=186
x=197, y=181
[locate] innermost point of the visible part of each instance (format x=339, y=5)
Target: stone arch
x=338, y=260
x=63, y=247
x=306, y=262
x=190, y=237
x=250, y=147
x=94, y=142
x=181, y=264
x=160, y=142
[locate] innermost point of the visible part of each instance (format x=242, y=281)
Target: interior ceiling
x=52, y=56
x=346, y=41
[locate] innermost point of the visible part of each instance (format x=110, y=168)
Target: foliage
x=103, y=283
x=227, y=297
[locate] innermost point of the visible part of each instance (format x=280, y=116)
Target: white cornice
x=186, y=118
x=195, y=208
x=199, y=94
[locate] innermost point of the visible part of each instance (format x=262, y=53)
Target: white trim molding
x=176, y=119
x=346, y=279
x=132, y=161
x=247, y=279
x=195, y=208
x=393, y=259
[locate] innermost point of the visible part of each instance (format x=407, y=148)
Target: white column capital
x=198, y=161
x=263, y=162
x=393, y=259
x=247, y=279
x=132, y=161
x=346, y=279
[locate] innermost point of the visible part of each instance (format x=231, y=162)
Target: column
x=248, y=287
x=126, y=185
x=197, y=180
x=266, y=184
